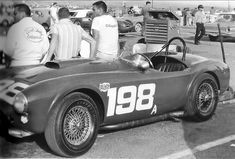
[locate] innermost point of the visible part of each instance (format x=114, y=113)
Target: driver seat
x=170, y=67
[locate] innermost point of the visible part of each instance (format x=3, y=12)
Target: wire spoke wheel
x=73, y=125
x=77, y=125
x=138, y=27
x=205, y=98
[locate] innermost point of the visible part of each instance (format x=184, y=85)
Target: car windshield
x=162, y=15
x=226, y=18
x=80, y=13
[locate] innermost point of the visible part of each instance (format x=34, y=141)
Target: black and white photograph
x=150, y=79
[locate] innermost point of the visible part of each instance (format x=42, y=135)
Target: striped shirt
x=69, y=39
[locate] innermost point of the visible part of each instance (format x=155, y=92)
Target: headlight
x=21, y=103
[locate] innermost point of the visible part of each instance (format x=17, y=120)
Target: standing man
x=105, y=31
x=145, y=13
x=67, y=37
x=200, y=19
x=53, y=13
x=26, y=41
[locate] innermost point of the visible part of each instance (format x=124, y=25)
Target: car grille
x=156, y=31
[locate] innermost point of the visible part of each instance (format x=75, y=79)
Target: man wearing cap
x=200, y=19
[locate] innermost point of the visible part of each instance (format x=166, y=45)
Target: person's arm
x=95, y=34
x=52, y=47
x=95, y=27
x=46, y=43
x=10, y=42
x=91, y=41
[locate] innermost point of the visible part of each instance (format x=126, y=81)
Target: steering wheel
x=182, y=41
x=147, y=59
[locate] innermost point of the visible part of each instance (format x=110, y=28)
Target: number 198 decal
x=126, y=99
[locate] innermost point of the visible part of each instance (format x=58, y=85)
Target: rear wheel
x=203, y=98
x=72, y=128
x=138, y=27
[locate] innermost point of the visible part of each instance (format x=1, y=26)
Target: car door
x=140, y=94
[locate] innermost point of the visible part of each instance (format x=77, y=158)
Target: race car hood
x=33, y=74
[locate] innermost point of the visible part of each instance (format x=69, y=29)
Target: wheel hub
x=77, y=125
x=206, y=96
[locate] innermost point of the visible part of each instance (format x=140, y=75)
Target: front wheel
x=73, y=125
x=203, y=98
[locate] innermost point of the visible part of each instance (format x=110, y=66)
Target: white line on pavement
x=199, y=148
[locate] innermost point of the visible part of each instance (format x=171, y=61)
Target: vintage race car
x=69, y=101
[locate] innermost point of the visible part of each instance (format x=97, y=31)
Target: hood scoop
x=52, y=65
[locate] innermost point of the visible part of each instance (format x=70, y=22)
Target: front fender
x=42, y=98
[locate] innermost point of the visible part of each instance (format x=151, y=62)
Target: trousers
x=200, y=31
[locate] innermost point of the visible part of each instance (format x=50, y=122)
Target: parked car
x=70, y=101
x=135, y=11
x=227, y=27
x=42, y=16
x=154, y=14
x=84, y=18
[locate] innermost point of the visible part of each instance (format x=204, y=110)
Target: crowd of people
x=27, y=42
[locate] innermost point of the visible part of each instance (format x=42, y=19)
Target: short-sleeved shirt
x=145, y=12
x=108, y=34
x=26, y=42
x=200, y=17
x=69, y=39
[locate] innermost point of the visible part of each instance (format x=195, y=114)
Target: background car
x=84, y=18
x=227, y=27
x=70, y=101
x=154, y=14
x=42, y=16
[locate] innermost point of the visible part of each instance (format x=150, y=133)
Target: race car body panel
x=122, y=91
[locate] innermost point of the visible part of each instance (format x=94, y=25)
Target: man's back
x=108, y=34
x=27, y=42
x=69, y=39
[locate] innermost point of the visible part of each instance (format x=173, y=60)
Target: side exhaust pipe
x=141, y=122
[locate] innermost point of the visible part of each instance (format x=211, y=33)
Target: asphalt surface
x=213, y=139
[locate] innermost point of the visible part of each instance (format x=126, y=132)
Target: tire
x=213, y=38
x=204, y=92
x=138, y=27
x=65, y=134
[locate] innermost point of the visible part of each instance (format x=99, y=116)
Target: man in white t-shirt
x=26, y=41
x=105, y=31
